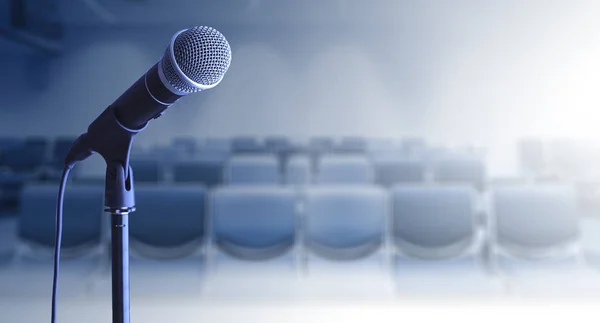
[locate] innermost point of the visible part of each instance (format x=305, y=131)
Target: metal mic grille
x=201, y=54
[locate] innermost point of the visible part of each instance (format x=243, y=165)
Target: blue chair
x=298, y=170
x=169, y=221
x=208, y=172
x=439, y=249
x=381, y=144
x=392, y=171
x=246, y=145
x=252, y=170
x=147, y=171
x=85, y=249
x=534, y=219
x=345, y=223
x=83, y=210
x=60, y=150
x=321, y=145
x=254, y=223
x=216, y=144
x=24, y=159
x=11, y=184
x=536, y=241
x=278, y=144
x=460, y=170
x=351, y=145
x=9, y=142
x=344, y=169
x=187, y=145
x=433, y=221
x=414, y=146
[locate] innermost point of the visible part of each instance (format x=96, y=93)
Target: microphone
x=195, y=60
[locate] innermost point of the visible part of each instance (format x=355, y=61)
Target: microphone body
x=146, y=99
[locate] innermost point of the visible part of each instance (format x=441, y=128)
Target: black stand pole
x=120, y=265
x=107, y=137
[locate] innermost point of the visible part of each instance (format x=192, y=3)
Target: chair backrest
x=61, y=148
x=276, y=144
x=147, y=171
x=254, y=222
x=169, y=220
x=208, y=172
x=319, y=145
x=460, y=170
x=391, y=171
x=345, y=222
x=82, y=216
x=185, y=144
x=344, y=169
x=24, y=158
x=534, y=219
x=10, y=142
x=298, y=170
x=351, y=145
x=246, y=145
x=216, y=144
x=433, y=221
x=253, y=170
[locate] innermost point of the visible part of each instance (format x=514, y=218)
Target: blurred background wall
x=460, y=72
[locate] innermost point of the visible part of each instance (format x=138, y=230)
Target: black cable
x=58, y=237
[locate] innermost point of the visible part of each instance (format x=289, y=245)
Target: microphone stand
x=109, y=138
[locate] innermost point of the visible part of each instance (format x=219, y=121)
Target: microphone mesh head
x=202, y=54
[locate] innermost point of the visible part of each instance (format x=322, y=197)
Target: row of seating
x=300, y=170
x=29, y=154
x=342, y=222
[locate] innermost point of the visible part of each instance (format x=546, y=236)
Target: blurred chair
x=60, y=149
x=169, y=221
x=186, y=145
x=281, y=147
x=90, y=171
x=321, y=145
x=246, y=145
x=438, y=248
x=298, y=170
x=345, y=223
x=278, y=144
x=414, y=146
x=351, y=145
x=530, y=221
x=381, y=144
x=254, y=223
x=83, y=208
x=344, y=169
x=460, y=170
x=391, y=171
x=84, y=250
x=147, y=170
x=208, y=172
x=24, y=159
x=9, y=142
x=253, y=170
x=216, y=144
x=536, y=243
x=11, y=184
